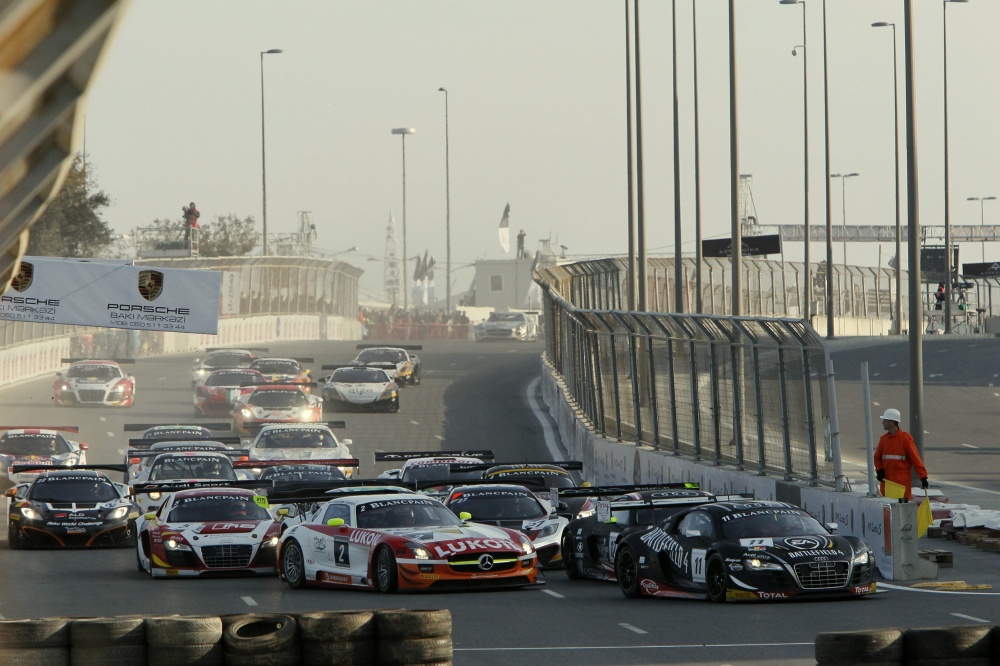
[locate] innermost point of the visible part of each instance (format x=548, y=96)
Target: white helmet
x=891, y=415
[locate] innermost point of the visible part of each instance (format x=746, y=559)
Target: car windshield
x=405, y=513
x=233, y=378
x=382, y=356
x=535, y=479
x=177, y=432
x=506, y=316
x=205, y=509
x=296, y=439
x=497, y=505
x=770, y=523
x=278, y=399
x=192, y=467
x=228, y=360
x=437, y=472
x=360, y=376
x=100, y=373
x=18, y=444
x=276, y=367
x=302, y=474
x=54, y=490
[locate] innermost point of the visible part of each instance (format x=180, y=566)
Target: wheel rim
x=383, y=569
x=626, y=570
x=294, y=566
x=716, y=579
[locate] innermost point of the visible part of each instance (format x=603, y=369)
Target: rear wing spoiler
x=285, y=358
x=18, y=469
x=174, y=486
x=321, y=492
x=568, y=465
x=97, y=360
x=216, y=425
x=284, y=383
x=391, y=346
x=602, y=491
x=236, y=349
x=73, y=429
x=194, y=449
x=400, y=456
x=329, y=424
x=330, y=462
x=683, y=501
x=144, y=443
x=337, y=366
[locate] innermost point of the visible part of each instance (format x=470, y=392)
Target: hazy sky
x=537, y=118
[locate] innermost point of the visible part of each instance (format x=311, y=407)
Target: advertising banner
x=113, y=294
x=752, y=246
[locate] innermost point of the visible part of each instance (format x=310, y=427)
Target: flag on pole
x=418, y=271
x=505, y=229
x=533, y=298
x=924, y=517
x=430, y=281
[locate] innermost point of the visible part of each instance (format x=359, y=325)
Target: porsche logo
x=150, y=284
x=485, y=562
x=22, y=280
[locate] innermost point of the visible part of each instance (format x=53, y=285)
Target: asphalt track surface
x=472, y=395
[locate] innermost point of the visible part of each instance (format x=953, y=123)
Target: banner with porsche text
x=113, y=294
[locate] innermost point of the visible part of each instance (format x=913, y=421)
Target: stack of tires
x=414, y=636
x=44, y=642
x=337, y=638
x=180, y=641
x=261, y=640
x=975, y=645
x=108, y=641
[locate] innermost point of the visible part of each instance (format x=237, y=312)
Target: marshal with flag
x=505, y=229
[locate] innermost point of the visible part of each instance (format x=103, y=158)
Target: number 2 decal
x=341, y=552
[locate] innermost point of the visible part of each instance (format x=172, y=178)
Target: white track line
x=551, y=441
x=553, y=594
x=632, y=647
x=926, y=591
x=969, y=617
x=249, y=601
x=636, y=630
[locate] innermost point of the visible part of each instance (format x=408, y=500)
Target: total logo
x=772, y=595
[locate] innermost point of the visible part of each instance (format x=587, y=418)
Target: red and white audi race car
x=401, y=541
x=94, y=382
x=275, y=403
x=207, y=530
x=222, y=389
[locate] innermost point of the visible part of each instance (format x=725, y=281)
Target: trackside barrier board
x=113, y=295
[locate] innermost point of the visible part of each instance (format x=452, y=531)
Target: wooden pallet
x=943, y=558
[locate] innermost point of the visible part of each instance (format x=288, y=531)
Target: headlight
x=388, y=394
x=548, y=530
x=118, y=389
x=174, y=544
x=757, y=564
x=269, y=542
x=118, y=513
x=586, y=514
x=29, y=513
x=526, y=545
x=862, y=558
x=65, y=387
x=246, y=413
x=419, y=552
x=154, y=496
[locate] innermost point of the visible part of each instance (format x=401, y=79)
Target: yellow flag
x=924, y=517
x=894, y=490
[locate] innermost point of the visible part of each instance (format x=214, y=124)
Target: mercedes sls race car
x=170, y=469
x=218, y=359
x=205, y=530
x=284, y=370
x=354, y=387
x=164, y=431
x=303, y=442
x=610, y=513
x=94, y=382
x=401, y=541
x=71, y=507
x=515, y=507
x=743, y=551
x=423, y=466
x=43, y=447
x=275, y=403
x=222, y=389
x=522, y=326
x=401, y=366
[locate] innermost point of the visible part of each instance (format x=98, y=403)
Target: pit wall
x=885, y=525
x=41, y=358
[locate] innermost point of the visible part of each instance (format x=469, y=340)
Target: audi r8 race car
x=423, y=466
x=522, y=326
x=397, y=361
x=94, y=382
x=401, y=541
x=301, y=441
x=743, y=551
x=219, y=358
x=142, y=452
x=222, y=389
x=208, y=530
x=354, y=387
x=69, y=507
x=514, y=507
x=163, y=431
x=609, y=514
x=37, y=446
x=283, y=370
x=275, y=403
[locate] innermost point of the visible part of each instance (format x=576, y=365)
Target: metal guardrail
x=746, y=391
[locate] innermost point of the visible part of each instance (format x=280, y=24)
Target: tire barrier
x=392, y=637
x=975, y=645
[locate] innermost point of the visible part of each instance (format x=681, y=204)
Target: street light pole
x=699, y=305
x=263, y=154
x=982, y=219
x=829, y=220
x=843, y=206
x=447, y=203
x=895, y=154
x=678, y=261
x=402, y=132
x=807, y=286
x=947, y=204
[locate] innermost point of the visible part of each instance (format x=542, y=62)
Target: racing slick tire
x=415, y=651
x=337, y=626
x=293, y=564
x=415, y=378
x=572, y=567
x=865, y=646
x=107, y=655
x=716, y=578
x=47, y=632
x=406, y=624
x=176, y=630
x=627, y=572
x=13, y=538
x=386, y=573
x=940, y=645
x=107, y=632
x=58, y=656
x=260, y=635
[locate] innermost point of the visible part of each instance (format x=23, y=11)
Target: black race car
x=611, y=513
x=71, y=507
x=743, y=551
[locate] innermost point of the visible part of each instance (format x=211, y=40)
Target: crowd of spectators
x=413, y=324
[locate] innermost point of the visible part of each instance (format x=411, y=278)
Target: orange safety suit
x=897, y=455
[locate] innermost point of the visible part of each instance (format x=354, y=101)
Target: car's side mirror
x=611, y=520
x=692, y=533
x=149, y=516
x=335, y=522
x=832, y=527
x=282, y=512
x=10, y=492
x=465, y=515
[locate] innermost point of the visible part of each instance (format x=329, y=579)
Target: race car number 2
x=341, y=552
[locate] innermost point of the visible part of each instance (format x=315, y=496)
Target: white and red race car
x=94, y=382
x=275, y=403
x=39, y=446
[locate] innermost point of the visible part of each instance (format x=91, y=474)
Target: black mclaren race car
x=71, y=507
x=611, y=513
x=743, y=551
